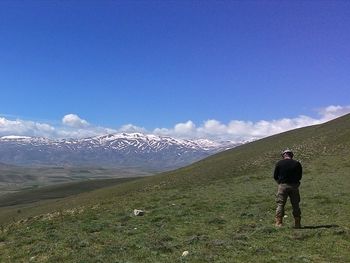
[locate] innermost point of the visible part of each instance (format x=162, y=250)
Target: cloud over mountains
x=237, y=130
x=74, y=121
x=73, y=126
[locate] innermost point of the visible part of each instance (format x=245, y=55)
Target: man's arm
x=300, y=171
x=275, y=174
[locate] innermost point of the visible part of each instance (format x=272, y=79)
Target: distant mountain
x=124, y=150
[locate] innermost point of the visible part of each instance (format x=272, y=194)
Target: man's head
x=287, y=154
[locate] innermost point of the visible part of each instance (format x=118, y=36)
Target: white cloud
x=132, y=128
x=74, y=120
x=82, y=133
x=23, y=127
x=162, y=131
x=332, y=112
x=213, y=127
x=73, y=128
x=236, y=130
x=185, y=128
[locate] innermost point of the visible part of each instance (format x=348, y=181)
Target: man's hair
x=287, y=152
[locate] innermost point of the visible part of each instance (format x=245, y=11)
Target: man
x=287, y=174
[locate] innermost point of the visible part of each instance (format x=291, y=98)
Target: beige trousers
x=284, y=191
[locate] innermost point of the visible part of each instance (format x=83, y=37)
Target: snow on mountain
x=14, y=137
x=111, y=150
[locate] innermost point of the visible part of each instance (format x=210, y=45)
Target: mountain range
x=122, y=150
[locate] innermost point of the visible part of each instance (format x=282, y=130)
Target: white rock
x=138, y=212
x=185, y=253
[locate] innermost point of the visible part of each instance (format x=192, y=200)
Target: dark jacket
x=288, y=171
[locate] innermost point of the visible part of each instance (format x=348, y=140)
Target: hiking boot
x=278, y=221
x=297, y=222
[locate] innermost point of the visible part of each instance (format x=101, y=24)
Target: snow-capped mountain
x=124, y=150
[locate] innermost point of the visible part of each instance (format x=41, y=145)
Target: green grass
x=220, y=210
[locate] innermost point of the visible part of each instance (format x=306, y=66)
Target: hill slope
x=220, y=209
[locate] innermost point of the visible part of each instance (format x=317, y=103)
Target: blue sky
x=162, y=65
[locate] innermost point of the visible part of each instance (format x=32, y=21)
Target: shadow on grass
x=320, y=226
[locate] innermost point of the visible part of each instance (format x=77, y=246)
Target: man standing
x=287, y=174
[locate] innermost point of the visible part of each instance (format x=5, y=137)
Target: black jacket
x=288, y=171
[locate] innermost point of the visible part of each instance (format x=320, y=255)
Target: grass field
x=220, y=209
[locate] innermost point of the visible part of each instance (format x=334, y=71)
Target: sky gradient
x=86, y=67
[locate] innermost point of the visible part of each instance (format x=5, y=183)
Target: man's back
x=287, y=174
x=288, y=171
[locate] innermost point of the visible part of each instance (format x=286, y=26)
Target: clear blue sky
x=158, y=63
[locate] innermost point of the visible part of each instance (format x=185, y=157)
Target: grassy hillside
x=220, y=209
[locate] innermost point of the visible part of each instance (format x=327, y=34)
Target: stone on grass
x=138, y=212
x=185, y=253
